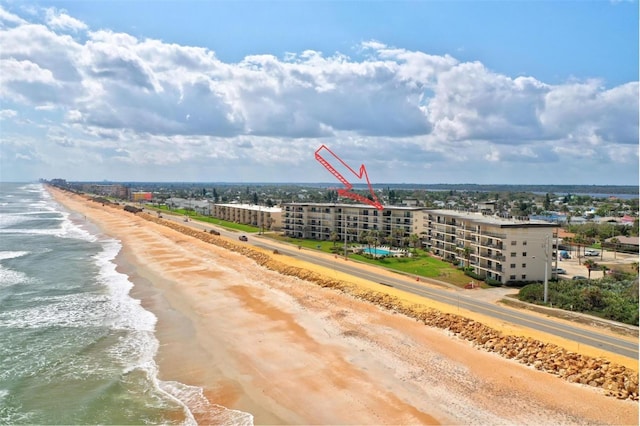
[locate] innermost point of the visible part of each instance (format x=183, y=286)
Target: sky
x=490, y=92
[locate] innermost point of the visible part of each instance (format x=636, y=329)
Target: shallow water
x=75, y=347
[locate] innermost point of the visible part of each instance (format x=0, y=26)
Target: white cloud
x=59, y=20
x=127, y=101
x=7, y=113
x=9, y=18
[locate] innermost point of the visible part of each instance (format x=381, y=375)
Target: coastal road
x=592, y=338
x=579, y=335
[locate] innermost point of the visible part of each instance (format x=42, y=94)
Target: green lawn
x=195, y=216
x=420, y=264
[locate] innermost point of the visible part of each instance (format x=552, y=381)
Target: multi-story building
x=502, y=249
x=505, y=250
x=111, y=190
x=349, y=221
x=267, y=218
x=138, y=196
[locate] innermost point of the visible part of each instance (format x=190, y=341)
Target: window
x=513, y=243
x=512, y=277
x=524, y=243
x=524, y=254
x=524, y=277
x=524, y=265
x=513, y=254
x=513, y=265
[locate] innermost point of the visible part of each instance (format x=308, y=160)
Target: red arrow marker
x=348, y=186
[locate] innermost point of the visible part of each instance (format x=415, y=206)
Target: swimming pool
x=377, y=251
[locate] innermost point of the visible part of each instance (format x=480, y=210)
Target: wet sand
x=290, y=352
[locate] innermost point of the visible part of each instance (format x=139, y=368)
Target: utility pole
x=546, y=268
x=344, y=221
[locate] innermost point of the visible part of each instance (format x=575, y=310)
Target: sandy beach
x=291, y=352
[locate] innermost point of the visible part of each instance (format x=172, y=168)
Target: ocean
x=75, y=347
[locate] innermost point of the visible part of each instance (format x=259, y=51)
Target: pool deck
x=384, y=251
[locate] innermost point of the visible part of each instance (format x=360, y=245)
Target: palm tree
x=615, y=242
x=334, y=237
x=467, y=254
x=370, y=241
x=604, y=270
x=405, y=242
x=397, y=234
x=363, y=236
x=375, y=238
x=414, y=239
x=579, y=242
x=590, y=264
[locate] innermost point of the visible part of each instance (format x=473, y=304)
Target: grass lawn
x=195, y=216
x=420, y=263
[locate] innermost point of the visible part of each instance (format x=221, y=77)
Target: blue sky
x=420, y=91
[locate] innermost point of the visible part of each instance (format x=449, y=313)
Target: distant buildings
x=267, y=218
x=110, y=190
x=141, y=196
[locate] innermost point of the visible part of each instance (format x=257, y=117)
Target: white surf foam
x=12, y=254
x=9, y=276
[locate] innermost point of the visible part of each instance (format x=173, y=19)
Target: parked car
x=558, y=271
x=579, y=277
x=591, y=252
x=243, y=238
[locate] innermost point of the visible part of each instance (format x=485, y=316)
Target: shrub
x=472, y=274
x=607, y=298
x=493, y=283
x=533, y=293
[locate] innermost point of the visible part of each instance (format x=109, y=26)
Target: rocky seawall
x=616, y=380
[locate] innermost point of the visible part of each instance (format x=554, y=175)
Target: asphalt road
x=547, y=325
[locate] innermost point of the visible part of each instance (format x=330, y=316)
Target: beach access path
x=291, y=352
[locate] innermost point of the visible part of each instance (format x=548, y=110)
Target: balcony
x=494, y=246
x=493, y=257
x=493, y=235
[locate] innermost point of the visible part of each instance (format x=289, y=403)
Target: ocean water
x=75, y=348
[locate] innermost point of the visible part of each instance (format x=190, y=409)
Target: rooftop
x=502, y=222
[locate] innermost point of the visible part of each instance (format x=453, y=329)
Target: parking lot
x=574, y=268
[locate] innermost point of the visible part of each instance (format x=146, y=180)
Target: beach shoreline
x=291, y=352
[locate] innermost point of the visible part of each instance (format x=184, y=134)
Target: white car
x=558, y=271
x=591, y=252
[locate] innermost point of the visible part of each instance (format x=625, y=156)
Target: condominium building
x=349, y=221
x=114, y=190
x=505, y=250
x=267, y=218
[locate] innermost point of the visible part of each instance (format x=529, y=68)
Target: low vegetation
x=191, y=214
x=612, y=297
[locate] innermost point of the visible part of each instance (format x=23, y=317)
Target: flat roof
x=493, y=219
x=255, y=207
x=355, y=206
